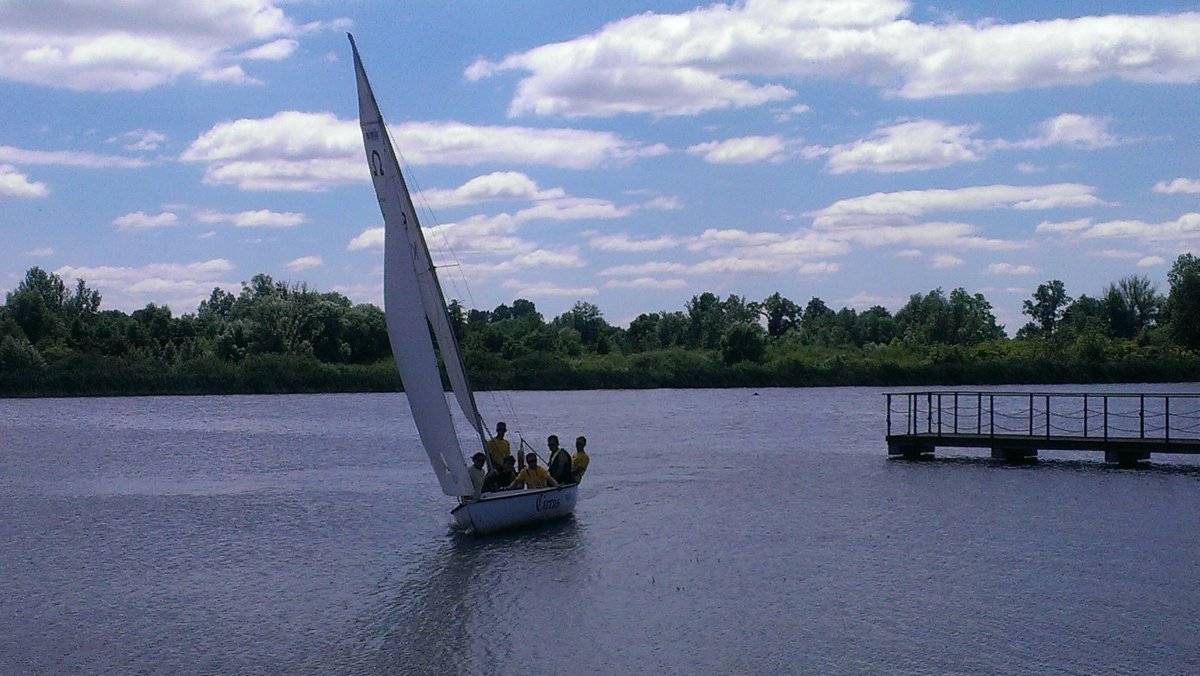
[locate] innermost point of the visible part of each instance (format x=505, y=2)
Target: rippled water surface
x=717, y=531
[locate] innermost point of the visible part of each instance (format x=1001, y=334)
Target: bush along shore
x=276, y=337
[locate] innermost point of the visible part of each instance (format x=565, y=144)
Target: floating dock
x=1127, y=428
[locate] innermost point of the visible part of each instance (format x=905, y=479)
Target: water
x=717, y=531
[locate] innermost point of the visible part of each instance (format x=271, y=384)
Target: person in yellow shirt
x=533, y=476
x=497, y=447
x=579, y=463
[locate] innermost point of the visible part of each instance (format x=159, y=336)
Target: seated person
x=501, y=476
x=477, y=473
x=579, y=463
x=560, y=460
x=533, y=476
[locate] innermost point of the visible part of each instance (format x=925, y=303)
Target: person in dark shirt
x=500, y=477
x=560, y=461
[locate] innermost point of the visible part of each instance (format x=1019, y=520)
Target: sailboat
x=414, y=303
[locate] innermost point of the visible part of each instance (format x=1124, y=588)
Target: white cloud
x=370, y=239
x=40, y=252
x=180, y=285
x=305, y=263
x=133, y=44
x=139, y=140
x=909, y=253
x=1115, y=253
x=645, y=283
x=294, y=150
x=718, y=56
x=1151, y=261
x=908, y=146
x=743, y=150
x=900, y=207
x=622, y=242
x=1184, y=228
x=1077, y=131
x=1064, y=226
x=259, y=218
x=1010, y=269
x=68, y=158
x=139, y=220
x=650, y=268
x=498, y=185
x=15, y=184
x=946, y=261
x=1189, y=185
x=1030, y=168
x=272, y=51
x=541, y=289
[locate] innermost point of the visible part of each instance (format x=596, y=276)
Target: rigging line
x=466, y=288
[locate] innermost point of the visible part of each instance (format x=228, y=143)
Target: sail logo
x=543, y=503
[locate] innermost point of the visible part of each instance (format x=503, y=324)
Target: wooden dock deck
x=1127, y=428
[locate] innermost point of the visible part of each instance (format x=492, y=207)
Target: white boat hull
x=513, y=509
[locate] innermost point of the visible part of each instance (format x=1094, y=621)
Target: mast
x=412, y=297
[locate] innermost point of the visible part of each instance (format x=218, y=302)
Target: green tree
x=782, y=315
x=1184, y=301
x=1049, y=303
x=743, y=342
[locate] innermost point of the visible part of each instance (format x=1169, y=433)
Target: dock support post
x=1126, y=458
x=910, y=450
x=1014, y=455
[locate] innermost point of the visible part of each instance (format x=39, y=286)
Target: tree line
x=274, y=336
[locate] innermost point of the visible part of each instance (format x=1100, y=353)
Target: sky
x=627, y=154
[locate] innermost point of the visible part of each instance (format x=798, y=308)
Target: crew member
x=533, y=476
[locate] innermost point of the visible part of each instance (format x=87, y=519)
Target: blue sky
x=628, y=154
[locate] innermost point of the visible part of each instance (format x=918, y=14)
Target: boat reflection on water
x=471, y=602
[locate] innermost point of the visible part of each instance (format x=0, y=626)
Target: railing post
x=992, y=415
x=912, y=411
x=889, y=414
x=1142, y=416
x=939, y=400
x=979, y=413
x=1085, y=415
x=956, y=412
x=1031, y=414
x=1106, y=417
x=1167, y=411
x=1047, y=416
x=929, y=412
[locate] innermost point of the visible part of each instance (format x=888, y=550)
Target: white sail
x=410, y=290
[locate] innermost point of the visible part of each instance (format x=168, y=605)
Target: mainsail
x=412, y=297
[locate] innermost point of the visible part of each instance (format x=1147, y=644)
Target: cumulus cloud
x=294, y=150
x=180, y=285
x=1010, y=269
x=947, y=261
x=908, y=146
x=304, y=263
x=68, y=158
x=543, y=289
x=1186, y=228
x=277, y=50
x=15, y=184
x=139, y=140
x=1151, y=261
x=622, y=242
x=137, y=44
x=901, y=207
x=140, y=220
x=1187, y=185
x=498, y=185
x=645, y=283
x=1087, y=132
x=743, y=150
x=259, y=218
x=718, y=56
x=40, y=252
